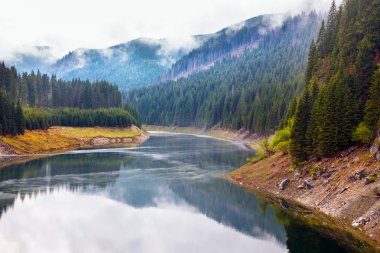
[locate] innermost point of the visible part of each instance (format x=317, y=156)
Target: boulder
x=308, y=183
x=359, y=222
x=283, y=184
x=370, y=179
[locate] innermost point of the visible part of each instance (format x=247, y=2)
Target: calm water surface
x=164, y=196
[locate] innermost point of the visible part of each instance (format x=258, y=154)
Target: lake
x=167, y=195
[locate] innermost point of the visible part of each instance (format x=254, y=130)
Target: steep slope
x=341, y=102
x=132, y=64
x=251, y=91
x=230, y=41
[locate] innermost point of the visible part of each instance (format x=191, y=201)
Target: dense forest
x=39, y=90
x=340, y=104
x=25, y=101
x=252, y=91
x=224, y=43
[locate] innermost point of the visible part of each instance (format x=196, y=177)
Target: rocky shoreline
x=345, y=187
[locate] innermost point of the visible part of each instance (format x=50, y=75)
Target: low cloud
x=39, y=23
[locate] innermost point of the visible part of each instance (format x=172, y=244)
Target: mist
x=63, y=26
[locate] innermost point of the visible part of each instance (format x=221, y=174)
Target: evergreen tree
x=298, y=134
x=372, y=110
x=19, y=119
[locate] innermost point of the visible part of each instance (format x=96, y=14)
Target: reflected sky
x=165, y=196
x=66, y=221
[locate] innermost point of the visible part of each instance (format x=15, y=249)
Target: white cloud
x=70, y=24
x=70, y=222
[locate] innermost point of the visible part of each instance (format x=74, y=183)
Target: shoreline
x=59, y=140
x=254, y=178
x=332, y=227
x=263, y=178
x=352, y=203
x=242, y=137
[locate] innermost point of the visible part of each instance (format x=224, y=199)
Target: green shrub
x=283, y=147
x=363, y=134
x=282, y=135
x=260, y=155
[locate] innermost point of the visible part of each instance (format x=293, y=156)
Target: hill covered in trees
x=96, y=104
x=251, y=91
x=340, y=104
x=230, y=41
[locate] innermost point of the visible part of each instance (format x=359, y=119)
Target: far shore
x=243, y=137
x=55, y=140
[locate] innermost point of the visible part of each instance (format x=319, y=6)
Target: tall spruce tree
x=298, y=135
x=372, y=110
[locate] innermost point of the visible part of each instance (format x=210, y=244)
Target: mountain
x=252, y=91
x=230, y=41
x=132, y=64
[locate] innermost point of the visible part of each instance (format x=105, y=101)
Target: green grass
x=91, y=132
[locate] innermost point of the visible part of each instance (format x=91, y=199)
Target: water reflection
x=164, y=196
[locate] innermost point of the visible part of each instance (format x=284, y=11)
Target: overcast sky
x=66, y=25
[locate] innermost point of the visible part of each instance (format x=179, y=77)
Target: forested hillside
x=97, y=104
x=252, y=91
x=231, y=41
x=340, y=105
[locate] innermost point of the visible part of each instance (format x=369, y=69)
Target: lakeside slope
x=345, y=186
x=61, y=139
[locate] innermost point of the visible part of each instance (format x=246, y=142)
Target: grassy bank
x=58, y=139
x=335, y=186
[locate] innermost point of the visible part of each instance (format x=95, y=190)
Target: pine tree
x=298, y=135
x=372, y=110
x=19, y=119
x=321, y=39
x=331, y=29
x=310, y=62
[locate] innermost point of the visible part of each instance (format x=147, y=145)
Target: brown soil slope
x=345, y=186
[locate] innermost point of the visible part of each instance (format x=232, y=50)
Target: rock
x=359, y=222
x=283, y=184
x=325, y=182
x=359, y=175
x=297, y=173
x=378, y=156
x=343, y=190
x=308, y=183
x=300, y=187
x=374, y=149
x=369, y=180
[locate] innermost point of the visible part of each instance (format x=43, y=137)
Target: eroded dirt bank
x=345, y=187
x=38, y=143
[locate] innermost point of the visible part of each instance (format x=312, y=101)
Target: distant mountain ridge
x=145, y=61
x=230, y=41
x=133, y=64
